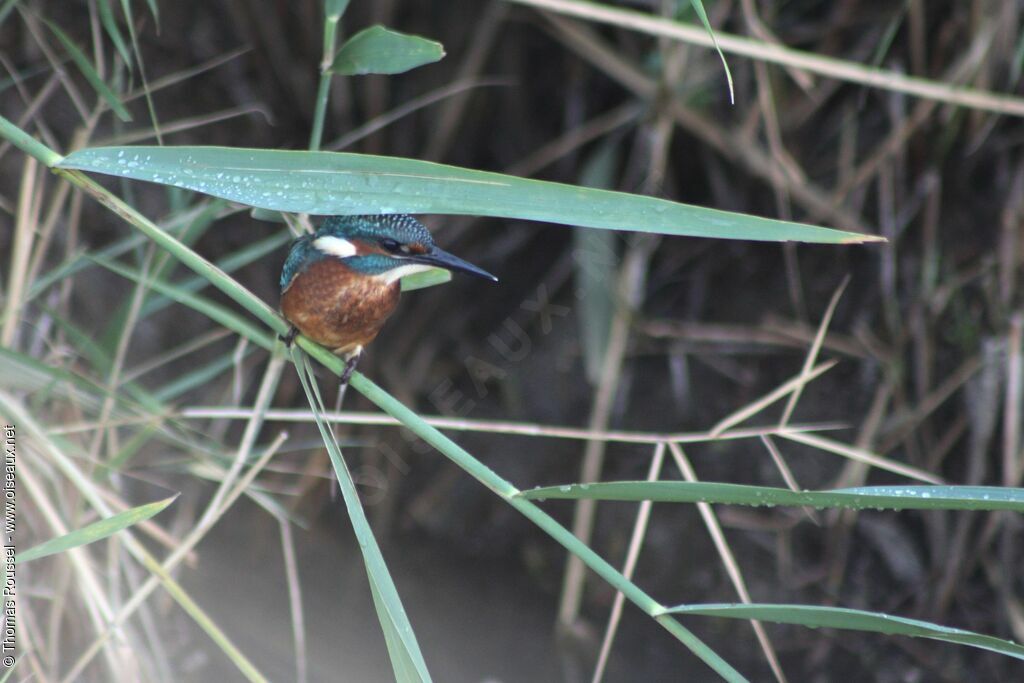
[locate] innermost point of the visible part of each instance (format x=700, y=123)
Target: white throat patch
x=335, y=246
x=390, y=276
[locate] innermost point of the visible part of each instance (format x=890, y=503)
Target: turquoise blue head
x=389, y=246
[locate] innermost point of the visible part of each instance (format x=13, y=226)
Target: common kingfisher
x=340, y=283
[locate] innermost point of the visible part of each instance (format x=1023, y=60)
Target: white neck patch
x=394, y=274
x=335, y=246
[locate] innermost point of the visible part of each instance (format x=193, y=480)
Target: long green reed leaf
x=862, y=498
x=853, y=619
x=333, y=183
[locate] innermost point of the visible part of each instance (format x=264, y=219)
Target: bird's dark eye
x=390, y=244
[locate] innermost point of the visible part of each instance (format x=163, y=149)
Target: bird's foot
x=289, y=338
x=350, y=367
x=346, y=374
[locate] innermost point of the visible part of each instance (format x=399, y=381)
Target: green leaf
x=853, y=619
x=333, y=9
x=698, y=7
x=81, y=341
x=112, y=29
x=267, y=215
x=379, y=50
x=80, y=60
x=428, y=278
x=96, y=531
x=5, y=9
x=130, y=449
x=155, y=12
x=596, y=265
x=334, y=183
x=866, y=497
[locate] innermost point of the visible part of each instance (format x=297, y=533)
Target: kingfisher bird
x=340, y=283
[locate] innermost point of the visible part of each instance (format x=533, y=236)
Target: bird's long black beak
x=442, y=259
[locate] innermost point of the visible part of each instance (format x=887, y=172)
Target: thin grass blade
x=200, y=376
x=5, y=10
x=225, y=316
x=406, y=658
x=114, y=31
x=87, y=69
x=698, y=7
x=96, y=531
x=234, y=261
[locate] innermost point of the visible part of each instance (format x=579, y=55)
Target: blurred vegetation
x=633, y=341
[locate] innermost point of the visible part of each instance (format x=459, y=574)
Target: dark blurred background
x=922, y=330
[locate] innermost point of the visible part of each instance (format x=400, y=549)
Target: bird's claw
x=350, y=366
x=289, y=338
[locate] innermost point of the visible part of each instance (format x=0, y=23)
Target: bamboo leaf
x=853, y=619
x=86, y=67
x=379, y=50
x=96, y=531
x=333, y=183
x=866, y=497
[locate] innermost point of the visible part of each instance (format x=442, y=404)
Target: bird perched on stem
x=340, y=283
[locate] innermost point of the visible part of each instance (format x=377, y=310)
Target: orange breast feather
x=338, y=307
